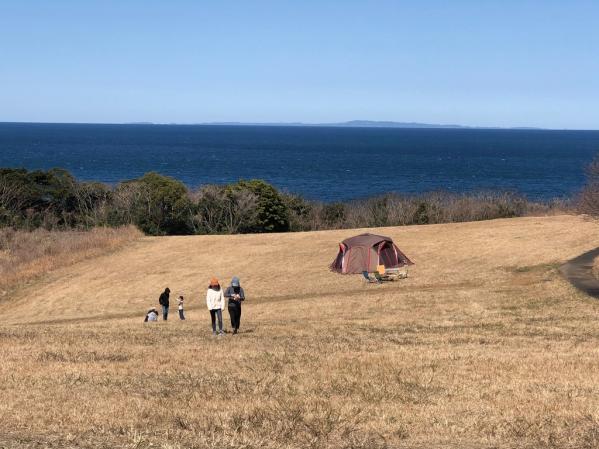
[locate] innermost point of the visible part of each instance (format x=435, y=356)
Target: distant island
x=348, y=124
x=389, y=124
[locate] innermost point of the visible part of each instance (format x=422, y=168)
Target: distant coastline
x=346, y=124
x=367, y=124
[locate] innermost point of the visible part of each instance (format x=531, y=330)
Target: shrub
x=421, y=215
x=333, y=215
x=159, y=205
x=271, y=212
x=378, y=211
x=37, y=198
x=300, y=213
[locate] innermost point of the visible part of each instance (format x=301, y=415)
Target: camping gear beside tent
x=365, y=252
x=370, y=279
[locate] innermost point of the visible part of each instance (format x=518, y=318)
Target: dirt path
x=579, y=271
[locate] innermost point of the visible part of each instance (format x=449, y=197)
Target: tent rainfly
x=365, y=252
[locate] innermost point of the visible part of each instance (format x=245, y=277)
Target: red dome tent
x=365, y=252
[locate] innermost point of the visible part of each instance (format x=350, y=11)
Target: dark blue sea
x=325, y=163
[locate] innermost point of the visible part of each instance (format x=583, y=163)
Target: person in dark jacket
x=235, y=296
x=164, y=302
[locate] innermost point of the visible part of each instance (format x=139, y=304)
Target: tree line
x=161, y=205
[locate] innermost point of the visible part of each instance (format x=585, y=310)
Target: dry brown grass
x=26, y=255
x=596, y=268
x=485, y=345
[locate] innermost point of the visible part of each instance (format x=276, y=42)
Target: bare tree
x=124, y=199
x=222, y=210
x=240, y=209
x=12, y=196
x=209, y=201
x=93, y=201
x=589, y=198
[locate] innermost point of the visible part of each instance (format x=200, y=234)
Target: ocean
x=323, y=163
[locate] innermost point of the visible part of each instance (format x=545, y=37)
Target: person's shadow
x=245, y=331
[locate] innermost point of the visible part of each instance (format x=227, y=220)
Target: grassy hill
x=483, y=345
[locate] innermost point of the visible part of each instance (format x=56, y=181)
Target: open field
x=484, y=345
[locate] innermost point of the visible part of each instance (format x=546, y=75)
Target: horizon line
x=386, y=124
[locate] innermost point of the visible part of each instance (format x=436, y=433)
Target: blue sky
x=482, y=63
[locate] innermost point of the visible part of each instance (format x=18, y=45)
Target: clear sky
x=479, y=62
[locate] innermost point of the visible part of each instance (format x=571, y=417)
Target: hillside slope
x=295, y=266
x=483, y=345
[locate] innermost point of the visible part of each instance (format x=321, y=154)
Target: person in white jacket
x=215, y=301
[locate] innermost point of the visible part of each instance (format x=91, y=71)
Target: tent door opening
x=387, y=255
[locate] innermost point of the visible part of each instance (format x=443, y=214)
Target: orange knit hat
x=213, y=282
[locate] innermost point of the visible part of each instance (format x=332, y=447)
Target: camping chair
x=393, y=273
x=371, y=280
x=375, y=278
x=381, y=277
